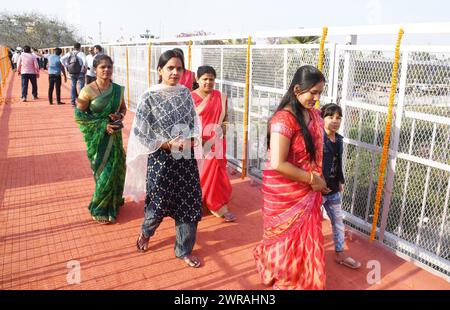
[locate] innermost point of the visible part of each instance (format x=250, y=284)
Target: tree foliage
x=36, y=30
x=295, y=40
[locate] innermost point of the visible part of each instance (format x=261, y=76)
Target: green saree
x=105, y=153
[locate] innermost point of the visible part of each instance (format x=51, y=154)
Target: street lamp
x=147, y=35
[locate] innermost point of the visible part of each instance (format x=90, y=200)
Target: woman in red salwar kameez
x=291, y=254
x=211, y=107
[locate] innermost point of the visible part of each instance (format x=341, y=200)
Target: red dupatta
x=187, y=79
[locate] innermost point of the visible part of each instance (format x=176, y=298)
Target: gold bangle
x=311, y=179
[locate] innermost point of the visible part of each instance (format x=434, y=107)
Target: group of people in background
x=178, y=170
x=28, y=62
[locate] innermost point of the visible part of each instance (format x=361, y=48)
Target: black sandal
x=142, y=243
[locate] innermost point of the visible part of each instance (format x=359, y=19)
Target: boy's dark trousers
x=54, y=80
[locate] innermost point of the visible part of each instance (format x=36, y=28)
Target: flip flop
x=191, y=261
x=142, y=243
x=350, y=263
x=101, y=221
x=229, y=217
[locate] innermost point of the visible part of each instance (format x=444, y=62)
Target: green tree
x=36, y=30
x=295, y=40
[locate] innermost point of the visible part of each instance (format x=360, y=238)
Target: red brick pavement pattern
x=46, y=185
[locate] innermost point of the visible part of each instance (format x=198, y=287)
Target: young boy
x=334, y=176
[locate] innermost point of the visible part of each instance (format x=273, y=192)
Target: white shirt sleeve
x=64, y=59
x=82, y=56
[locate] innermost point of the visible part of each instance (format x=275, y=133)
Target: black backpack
x=74, y=66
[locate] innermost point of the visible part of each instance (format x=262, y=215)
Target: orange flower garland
x=387, y=135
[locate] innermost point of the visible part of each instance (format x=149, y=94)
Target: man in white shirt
x=90, y=74
x=97, y=50
x=15, y=58
x=75, y=63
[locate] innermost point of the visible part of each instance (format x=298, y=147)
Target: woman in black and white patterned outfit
x=160, y=159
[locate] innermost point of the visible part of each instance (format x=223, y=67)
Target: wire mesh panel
x=138, y=73
x=428, y=83
x=235, y=135
x=156, y=53
x=211, y=57
x=120, y=66
x=264, y=104
x=302, y=55
x=234, y=64
x=418, y=212
x=268, y=68
x=234, y=61
x=364, y=129
x=369, y=76
x=268, y=72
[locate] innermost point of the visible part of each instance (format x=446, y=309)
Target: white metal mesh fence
x=418, y=216
x=416, y=192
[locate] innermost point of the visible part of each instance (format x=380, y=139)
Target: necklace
x=98, y=88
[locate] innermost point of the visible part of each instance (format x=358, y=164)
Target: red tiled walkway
x=46, y=185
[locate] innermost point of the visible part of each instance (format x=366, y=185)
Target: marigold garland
x=246, y=107
x=321, y=54
x=387, y=135
x=189, y=54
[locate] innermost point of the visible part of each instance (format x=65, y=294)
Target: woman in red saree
x=211, y=107
x=291, y=254
x=188, y=77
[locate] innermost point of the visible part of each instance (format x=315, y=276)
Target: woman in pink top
x=28, y=69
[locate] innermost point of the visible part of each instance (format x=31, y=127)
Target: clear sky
x=167, y=18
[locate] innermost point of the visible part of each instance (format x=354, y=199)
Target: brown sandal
x=142, y=243
x=191, y=261
x=101, y=221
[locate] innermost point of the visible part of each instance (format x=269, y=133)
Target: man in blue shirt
x=54, y=75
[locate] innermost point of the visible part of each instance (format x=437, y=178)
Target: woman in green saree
x=99, y=104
